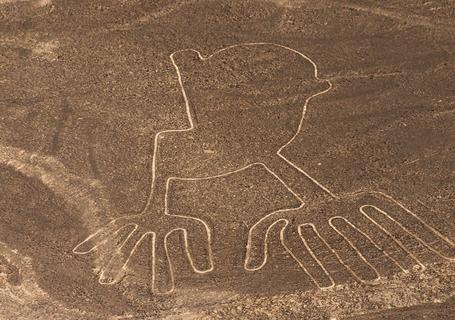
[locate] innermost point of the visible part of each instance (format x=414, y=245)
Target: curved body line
x=192, y=125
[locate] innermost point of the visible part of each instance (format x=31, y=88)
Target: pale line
x=170, y=269
x=124, y=266
x=104, y=237
x=365, y=75
x=260, y=164
x=402, y=206
x=283, y=242
x=353, y=246
x=398, y=242
x=136, y=245
x=332, y=250
x=209, y=235
x=192, y=126
x=445, y=238
x=316, y=259
x=374, y=243
x=171, y=273
x=292, y=254
x=411, y=19
x=118, y=251
x=316, y=282
x=415, y=236
x=265, y=242
x=153, y=275
x=188, y=111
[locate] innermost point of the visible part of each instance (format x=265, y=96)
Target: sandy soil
x=96, y=104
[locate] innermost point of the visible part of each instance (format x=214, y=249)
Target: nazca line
x=228, y=173
x=352, y=245
x=170, y=179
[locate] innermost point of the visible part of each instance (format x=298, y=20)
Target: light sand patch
x=39, y=3
x=85, y=195
x=27, y=300
x=42, y=50
x=46, y=50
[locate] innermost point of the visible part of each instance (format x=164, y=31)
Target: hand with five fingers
x=363, y=235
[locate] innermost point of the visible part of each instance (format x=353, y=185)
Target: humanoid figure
x=245, y=104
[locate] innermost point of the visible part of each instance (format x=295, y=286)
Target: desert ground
x=198, y=159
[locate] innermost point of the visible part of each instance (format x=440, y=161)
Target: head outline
x=203, y=58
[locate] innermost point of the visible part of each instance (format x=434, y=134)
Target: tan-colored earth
x=227, y=159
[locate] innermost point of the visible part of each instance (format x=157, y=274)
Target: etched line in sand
x=156, y=221
x=156, y=187
x=158, y=196
x=357, y=251
x=400, y=230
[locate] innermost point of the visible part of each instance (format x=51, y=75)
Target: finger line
x=414, y=235
x=289, y=251
x=376, y=245
x=437, y=232
x=353, y=246
x=311, y=252
x=383, y=229
x=265, y=245
x=311, y=225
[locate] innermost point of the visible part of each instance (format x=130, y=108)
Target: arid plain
x=227, y=159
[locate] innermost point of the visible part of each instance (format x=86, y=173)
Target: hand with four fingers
x=364, y=235
x=116, y=243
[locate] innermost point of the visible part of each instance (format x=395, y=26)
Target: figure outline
x=170, y=179
x=159, y=134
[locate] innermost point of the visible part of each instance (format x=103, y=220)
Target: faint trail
x=92, y=162
x=27, y=300
x=147, y=18
x=27, y=288
x=85, y=195
x=408, y=19
x=9, y=272
x=366, y=75
x=92, y=152
x=39, y=3
x=64, y=115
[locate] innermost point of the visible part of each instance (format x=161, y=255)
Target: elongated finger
x=198, y=240
x=162, y=275
x=373, y=254
x=348, y=255
x=412, y=245
x=100, y=237
x=256, y=248
x=297, y=247
x=422, y=231
x=139, y=263
x=385, y=243
x=115, y=268
x=322, y=252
